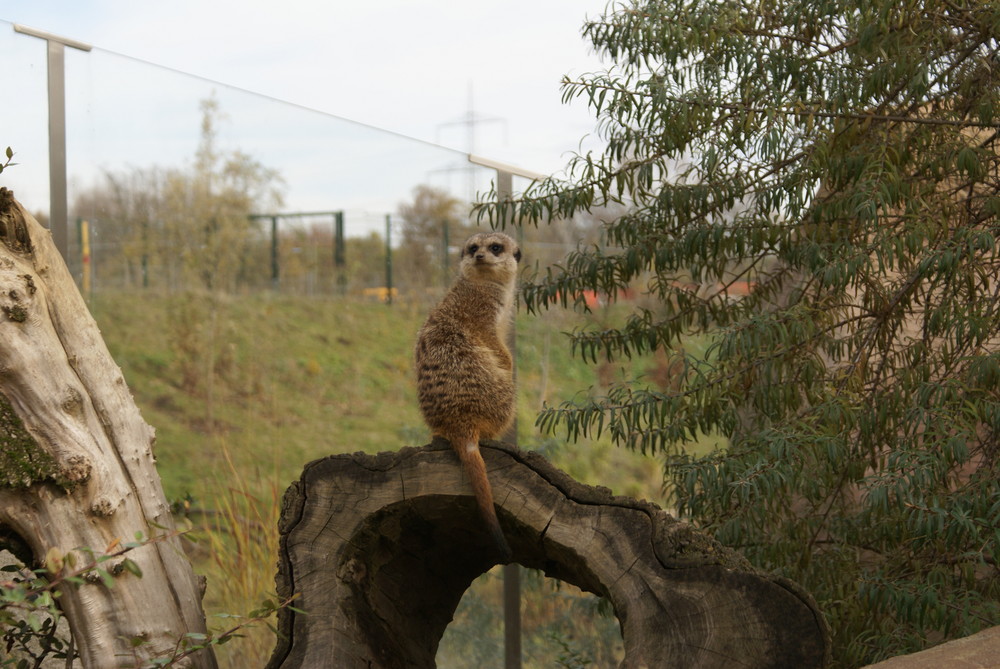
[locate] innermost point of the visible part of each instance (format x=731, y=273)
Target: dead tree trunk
x=381, y=549
x=76, y=465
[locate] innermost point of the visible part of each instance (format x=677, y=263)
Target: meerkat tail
x=475, y=468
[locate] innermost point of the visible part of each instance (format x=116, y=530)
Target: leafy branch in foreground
x=30, y=615
x=814, y=188
x=29, y=599
x=194, y=642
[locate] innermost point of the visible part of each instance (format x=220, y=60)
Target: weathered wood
x=77, y=469
x=977, y=651
x=381, y=549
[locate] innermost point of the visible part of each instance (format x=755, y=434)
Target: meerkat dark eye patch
x=497, y=249
x=473, y=248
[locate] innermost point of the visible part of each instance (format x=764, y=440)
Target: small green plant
x=569, y=655
x=194, y=642
x=29, y=609
x=30, y=617
x=10, y=155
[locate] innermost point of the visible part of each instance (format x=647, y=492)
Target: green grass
x=280, y=381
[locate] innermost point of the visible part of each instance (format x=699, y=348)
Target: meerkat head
x=490, y=256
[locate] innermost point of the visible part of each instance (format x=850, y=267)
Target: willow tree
x=840, y=159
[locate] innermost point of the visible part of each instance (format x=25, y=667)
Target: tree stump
x=76, y=461
x=381, y=549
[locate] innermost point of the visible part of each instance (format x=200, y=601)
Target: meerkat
x=465, y=373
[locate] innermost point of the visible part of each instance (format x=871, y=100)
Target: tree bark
x=76, y=462
x=381, y=548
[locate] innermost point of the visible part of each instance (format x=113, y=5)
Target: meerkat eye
x=497, y=249
x=473, y=248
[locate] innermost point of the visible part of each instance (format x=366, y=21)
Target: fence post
x=58, y=207
x=339, y=251
x=445, y=265
x=388, y=258
x=511, y=572
x=275, y=270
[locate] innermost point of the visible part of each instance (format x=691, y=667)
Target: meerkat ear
x=517, y=255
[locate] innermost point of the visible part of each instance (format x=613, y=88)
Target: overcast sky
x=403, y=65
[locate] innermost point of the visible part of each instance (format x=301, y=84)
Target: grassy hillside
x=279, y=381
x=243, y=391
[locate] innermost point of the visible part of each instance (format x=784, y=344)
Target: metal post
x=445, y=265
x=58, y=200
x=388, y=259
x=275, y=270
x=511, y=572
x=145, y=253
x=339, y=251
x=512, y=616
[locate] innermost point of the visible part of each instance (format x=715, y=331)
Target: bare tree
x=432, y=222
x=189, y=227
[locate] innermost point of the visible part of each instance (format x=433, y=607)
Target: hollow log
x=381, y=548
x=76, y=462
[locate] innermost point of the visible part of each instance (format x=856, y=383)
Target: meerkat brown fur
x=465, y=373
